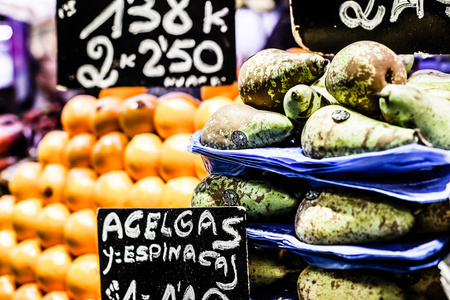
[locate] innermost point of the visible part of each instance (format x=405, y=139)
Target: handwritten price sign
x=168, y=43
x=406, y=26
x=168, y=254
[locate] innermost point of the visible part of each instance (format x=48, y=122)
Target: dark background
x=321, y=29
x=72, y=50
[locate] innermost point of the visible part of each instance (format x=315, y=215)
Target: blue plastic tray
x=412, y=172
x=396, y=256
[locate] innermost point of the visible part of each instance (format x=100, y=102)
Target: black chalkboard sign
x=168, y=254
x=405, y=26
x=164, y=43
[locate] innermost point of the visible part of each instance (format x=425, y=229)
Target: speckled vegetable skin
x=264, y=268
x=359, y=71
x=345, y=217
x=315, y=283
x=430, y=80
x=262, y=199
x=427, y=287
x=322, y=136
x=433, y=217
x=300, y=102
x=410, y=107
x=239, y=126
x=265, y=77
x=319, y=87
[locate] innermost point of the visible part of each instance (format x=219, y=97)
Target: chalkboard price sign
x=165, y=43
x=406, y=26
x=173, y=254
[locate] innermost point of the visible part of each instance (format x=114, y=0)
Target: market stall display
x=368, y=187
x=341, y=161
x=110, y=152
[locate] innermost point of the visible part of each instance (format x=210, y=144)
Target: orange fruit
x=106, y=117
x=28, y=291
x=230, y=91
x=146, y=192
x=78, y=150
x=175, y=160
x=23, y=259
x=141, y=155
x=51, y=147
x=77, y=113
x=6, y=211
x=113, y=189
x=107, y=152
x=80, y=171
x=177, y=94
x=175, y=115
x=51, y=268
x=52, y=182
x=7, y=242
x=297, y=50
x=79, y=192
x=56, y=295
x=7, y=287
x=80, y=232
x=207, y=108
x=83, y=278
x=178, y=191
x=24, y=217
x=122, y=92
x=24, y=181
x=136, y=114
x=200, y=170
x=50, y=224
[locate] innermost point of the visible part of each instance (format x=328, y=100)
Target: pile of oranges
x=114, y=150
